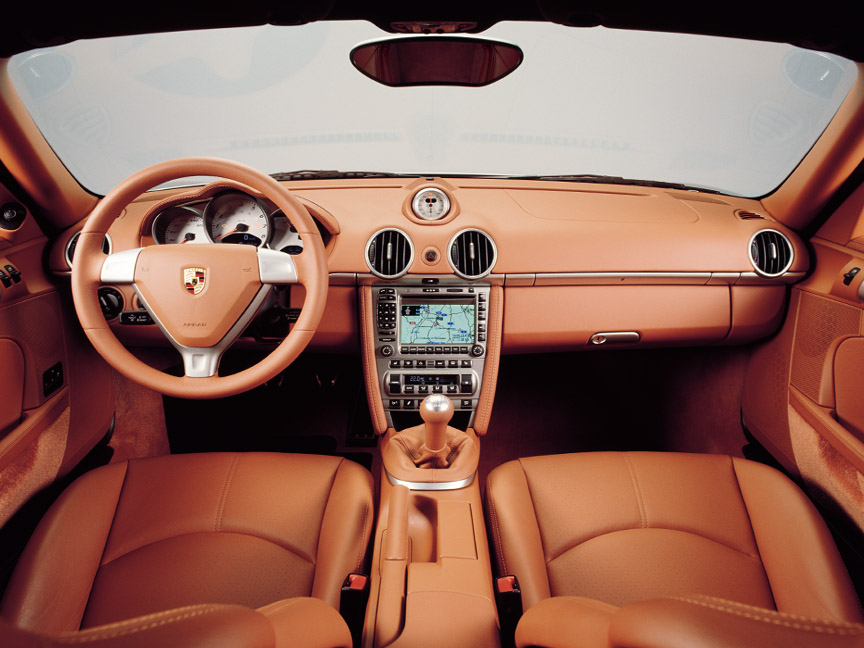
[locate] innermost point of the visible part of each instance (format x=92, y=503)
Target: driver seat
x=265, y=531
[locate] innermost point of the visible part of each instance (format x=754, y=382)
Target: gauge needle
x=241, y=227
x=224, y=234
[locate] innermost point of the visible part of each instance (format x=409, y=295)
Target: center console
x=430, y=338
x=435, y=338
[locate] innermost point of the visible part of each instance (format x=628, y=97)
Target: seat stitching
x=752, y=531
x=229, y=478
x=126, y=628
x=326, y=506
x=364, y=542
x=643, y=517
x=693, y=533
x=287, y=548
x=496, y=531
x=534, y=510
x=779, y=618
x=101, y=564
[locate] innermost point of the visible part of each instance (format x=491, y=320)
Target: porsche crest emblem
x=194, y=279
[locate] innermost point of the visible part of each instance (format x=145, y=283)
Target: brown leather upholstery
x=627, y=527
x=149, y=535
x=681, y=622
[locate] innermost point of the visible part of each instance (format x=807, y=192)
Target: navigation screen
x=436, y=324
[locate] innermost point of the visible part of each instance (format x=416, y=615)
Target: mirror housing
x=436, y=60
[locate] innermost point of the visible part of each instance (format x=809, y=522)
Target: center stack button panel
x=430, y=339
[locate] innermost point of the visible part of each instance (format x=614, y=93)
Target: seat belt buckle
x=508, y=598
x=352, y=604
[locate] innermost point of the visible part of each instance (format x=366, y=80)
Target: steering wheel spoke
x=119, y=268
x=276, y=267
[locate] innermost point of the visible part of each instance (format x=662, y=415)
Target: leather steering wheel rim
x=311, y=272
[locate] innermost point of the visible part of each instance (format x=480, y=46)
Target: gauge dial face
x=180, y=225
x=285, y=238
x=430, y=204
x=235, y=217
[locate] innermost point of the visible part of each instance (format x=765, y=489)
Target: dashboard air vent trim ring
x=389, y=253
x=472, y=262
x=771, y=252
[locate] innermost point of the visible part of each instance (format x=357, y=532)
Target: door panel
x=803, y=395
x=56, y=392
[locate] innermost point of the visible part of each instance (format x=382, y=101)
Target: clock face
x=430, y=204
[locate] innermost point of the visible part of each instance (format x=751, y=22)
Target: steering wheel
x=201, y=296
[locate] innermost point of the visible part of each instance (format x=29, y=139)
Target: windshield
x=723, y=114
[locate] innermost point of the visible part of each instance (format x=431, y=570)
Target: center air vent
x=389, y=253
x=771, y=253
x=472, y=254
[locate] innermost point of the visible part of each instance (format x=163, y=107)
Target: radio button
x=463, y=349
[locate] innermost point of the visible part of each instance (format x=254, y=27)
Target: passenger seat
x=717, y=534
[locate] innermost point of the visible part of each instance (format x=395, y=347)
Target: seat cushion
x=147, y=535
x=625, y=527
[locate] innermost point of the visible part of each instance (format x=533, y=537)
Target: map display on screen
x=436, y=324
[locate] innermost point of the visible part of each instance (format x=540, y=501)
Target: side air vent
x=472, y=254
x=73, y=243
x=389, y=253
x=749, y=215
x=771, y=253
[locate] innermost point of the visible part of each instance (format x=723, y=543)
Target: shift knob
x=436, y=410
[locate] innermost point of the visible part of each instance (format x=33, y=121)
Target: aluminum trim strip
x=431, y=486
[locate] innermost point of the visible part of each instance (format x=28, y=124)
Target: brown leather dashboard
x=575, y=259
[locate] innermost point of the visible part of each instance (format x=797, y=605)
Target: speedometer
x=236, y=217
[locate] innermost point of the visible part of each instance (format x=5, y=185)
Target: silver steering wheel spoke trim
x=203, y=362
x=119, y=268
x=276, y=267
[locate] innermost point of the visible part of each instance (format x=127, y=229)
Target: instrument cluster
x=229, y=217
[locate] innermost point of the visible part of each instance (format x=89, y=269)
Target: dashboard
x=579, y=265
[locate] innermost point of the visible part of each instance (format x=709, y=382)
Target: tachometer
x=179, y=224
x=285, y=238
x=235, y=217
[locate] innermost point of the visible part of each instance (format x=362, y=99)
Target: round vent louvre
x=73, y=243
x=472, y=254
x=389, y=253
x=771, y=253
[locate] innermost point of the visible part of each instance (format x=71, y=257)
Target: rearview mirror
x=436, y=60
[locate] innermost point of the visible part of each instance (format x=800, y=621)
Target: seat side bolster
x=195, y=626
x=307, y=622
x=708, y=622
x=566, y=622
x=514, y=529
x=804, y=568
x=345, y=530
x=51, y=584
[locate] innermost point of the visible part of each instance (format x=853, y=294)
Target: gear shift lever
x=436, y=411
